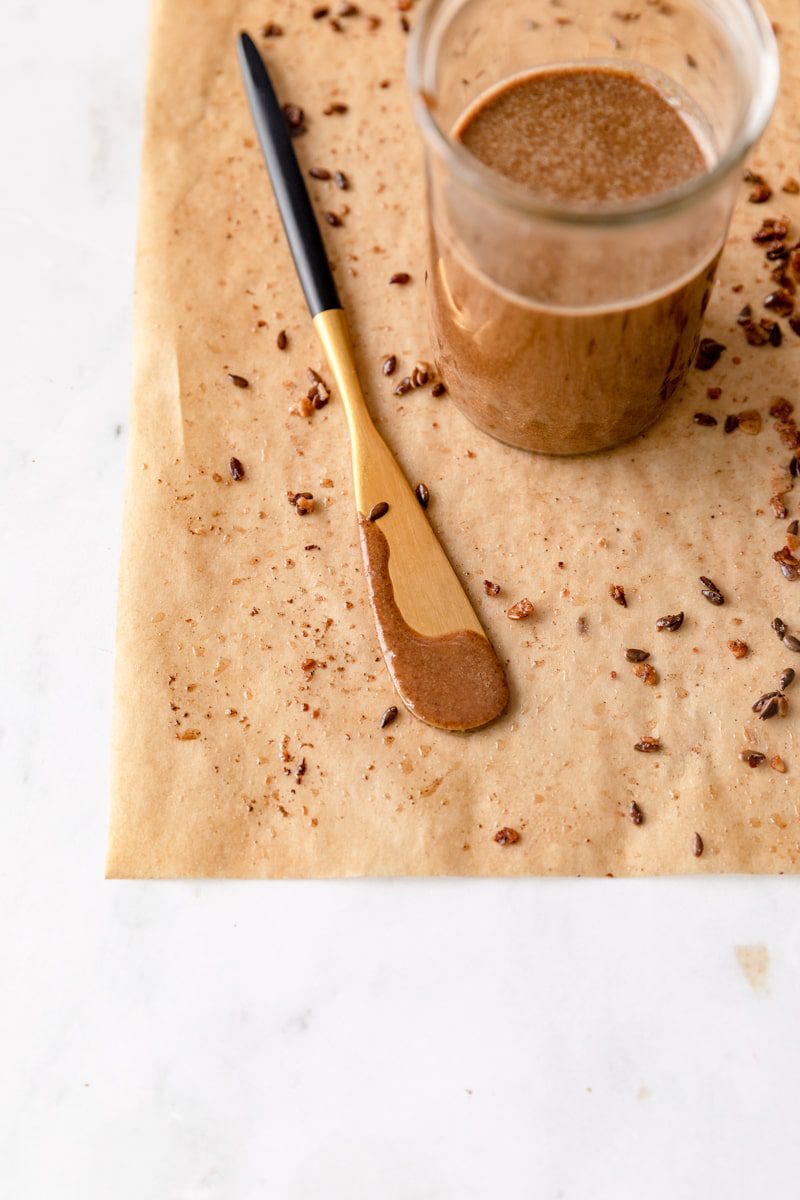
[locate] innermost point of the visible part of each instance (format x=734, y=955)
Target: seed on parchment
x=780, y=302
x=319, y=173
x=762, y=701
x=646, y=673
x=793, y=528
x=301, y=770
x=438, y=389
x=701, y=418
x=377, y=511
x=282, y=340
x=669, y=623
x=506, y=836
x=772, y=229
x=710, y=590
x=341, y=181
x=419, y=376
x=333, y=218
x=753, y=758
x=636, y=656
x=422, y=494
x=779, y=626
x=648, y=745
x=777, y=764
x=786, y=678
x=389, y=364
x=521, y=610
x=236, y=469
x=761, y=190
x=400, y=277
x=738, y=649
x=777, y=705
x=731, y=423
x=635, y=813
x=491, y=589
x=405, y=385
x=617, y=594
x=238, y=380
x=389, y=716
x=335, y=108
x=271, y=30
x=697, y=845
x=791, y=643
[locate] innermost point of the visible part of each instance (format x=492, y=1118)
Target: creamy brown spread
x=453, y=682
x=567, y=379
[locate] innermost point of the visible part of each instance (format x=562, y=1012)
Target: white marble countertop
x=309, y=1041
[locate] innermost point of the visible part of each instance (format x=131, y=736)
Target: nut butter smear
x=454, y=681
x=524, y=335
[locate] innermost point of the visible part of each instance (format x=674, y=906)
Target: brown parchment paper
x=221, y=599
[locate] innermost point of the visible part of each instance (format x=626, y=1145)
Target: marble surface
x=550, y=1039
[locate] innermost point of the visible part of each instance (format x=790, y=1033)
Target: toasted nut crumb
x=648, y=745
x=506, y=836
x=305, y=505
x=491, y=589
x=617, y=594
x=646, y=672
x=750, y=421
x=738, y=649
x=521, y=610
x=188, y=735
x=777, y=764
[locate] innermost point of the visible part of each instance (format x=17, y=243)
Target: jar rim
x=514, y=195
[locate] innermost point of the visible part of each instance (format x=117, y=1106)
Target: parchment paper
x=221, y=602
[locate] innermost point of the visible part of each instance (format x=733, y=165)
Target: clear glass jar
x=558, y=326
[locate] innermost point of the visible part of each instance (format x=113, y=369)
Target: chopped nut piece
x=708, y=353
x=491, y=589
x=648, y=745
x=777, y=764
x=236, y=469
x=670, y=623
x=377, y=511
x=295, y=119
x=646, y=672
x=780, y=301
x=697, y=845
x=188, y=735
x=636, y=656
x=389, y=716
x=791, y=186
x=761, y=191
x=770, y=230
x=778, y=507
x=304, y=505
x=750, y=421
x=738, y=649
x=711, y=591
x=521, y=610
x=506, y=837
x=617, y=594
x=781, y=409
